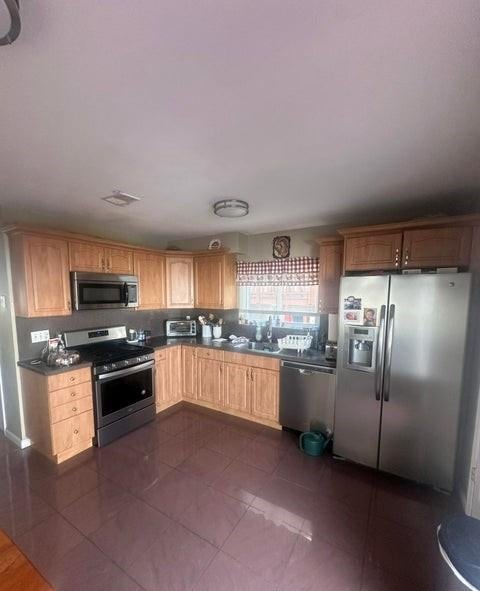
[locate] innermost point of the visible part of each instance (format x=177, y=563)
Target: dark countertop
x=47, y=370
x=309, y=356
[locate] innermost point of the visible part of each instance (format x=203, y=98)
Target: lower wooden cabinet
x=168, y=378
x=237, y=387
x=210, y=381
x=58, y=412
x=189, y=373
x=264, y=389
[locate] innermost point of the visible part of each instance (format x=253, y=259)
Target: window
x=290, y=306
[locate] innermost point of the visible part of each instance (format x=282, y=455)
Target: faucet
x=269, y=330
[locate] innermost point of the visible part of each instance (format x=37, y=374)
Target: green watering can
x=313, y=444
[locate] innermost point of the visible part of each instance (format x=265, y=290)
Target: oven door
x=120, y=393
x=93, y=291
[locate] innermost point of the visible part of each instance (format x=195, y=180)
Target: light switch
x=39, y=336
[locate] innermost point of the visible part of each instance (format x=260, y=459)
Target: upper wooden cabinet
x=376, y=252
x=330, y=257
x=96, y=258
x=215, y=281
x=179, y=282
x=150, y=271
x=437, y=247
x=422, y=243
x=41, y=282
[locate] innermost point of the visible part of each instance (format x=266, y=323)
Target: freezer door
x=358, y=392
x=423, y=376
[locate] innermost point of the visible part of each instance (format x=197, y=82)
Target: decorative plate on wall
x=215, y=244
x=281, y=247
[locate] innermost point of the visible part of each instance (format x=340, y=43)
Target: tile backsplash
x=153, y=320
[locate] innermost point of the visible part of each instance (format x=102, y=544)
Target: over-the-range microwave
x=92, y=291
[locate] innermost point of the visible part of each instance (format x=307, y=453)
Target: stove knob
x=113, y=366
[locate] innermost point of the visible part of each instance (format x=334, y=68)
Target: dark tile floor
x=199, y=500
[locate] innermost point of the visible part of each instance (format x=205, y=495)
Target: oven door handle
x=126, y=371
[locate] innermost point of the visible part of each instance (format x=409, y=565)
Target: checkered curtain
x=296, y=271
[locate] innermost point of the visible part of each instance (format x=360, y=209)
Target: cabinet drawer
x=71, y=409
x=72, y=432
x=69, y=378
x=160, y=355
x=204, y=353
x=260, y=361
x=69, y=394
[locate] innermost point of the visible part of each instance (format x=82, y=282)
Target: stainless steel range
x=123, y=380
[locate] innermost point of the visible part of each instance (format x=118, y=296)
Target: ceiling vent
x=10, y=24
x=120, y=199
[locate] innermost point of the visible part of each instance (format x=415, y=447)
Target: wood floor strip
x=17, y=573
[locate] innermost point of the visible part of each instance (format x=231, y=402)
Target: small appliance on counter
x=181, y=328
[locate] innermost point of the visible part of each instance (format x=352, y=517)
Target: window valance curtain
x=296, y=271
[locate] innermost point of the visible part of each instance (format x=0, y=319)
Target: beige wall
x=256, y=247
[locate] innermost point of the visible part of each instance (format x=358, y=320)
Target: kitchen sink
x=264, y=346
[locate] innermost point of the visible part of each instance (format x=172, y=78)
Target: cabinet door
x=161, y=385
x=209, y=282
x=265, y=393
x=119, y=260
x=376, y=252
x=72, y=432
x=179, y=282
x=174, y=375
x=237, y=387
x=48, y=279
x=150, y=271
x=330, y=273
x=437, y=247
x=210, y=381
x=189, y=372
x=87, y=256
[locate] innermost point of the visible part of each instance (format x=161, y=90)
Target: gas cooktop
x=102, y=353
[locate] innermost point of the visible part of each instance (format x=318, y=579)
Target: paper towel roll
x=333, y=327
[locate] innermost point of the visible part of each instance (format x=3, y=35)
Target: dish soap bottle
x=258, y=333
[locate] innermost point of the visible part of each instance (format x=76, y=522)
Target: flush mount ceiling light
x=230, y=208
x=10, y=25
x=120, y=199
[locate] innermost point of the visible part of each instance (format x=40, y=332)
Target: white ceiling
x=316, y=112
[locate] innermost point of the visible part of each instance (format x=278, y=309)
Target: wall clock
x=281, y=247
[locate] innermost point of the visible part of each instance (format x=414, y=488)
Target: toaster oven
x=181, y=328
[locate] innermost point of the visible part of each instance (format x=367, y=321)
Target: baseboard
x=22, y=443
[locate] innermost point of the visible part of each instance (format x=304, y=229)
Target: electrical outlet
x=39, y=336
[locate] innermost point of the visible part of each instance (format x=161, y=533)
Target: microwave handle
x=126, y=294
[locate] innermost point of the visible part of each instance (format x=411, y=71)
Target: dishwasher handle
x=307, y=369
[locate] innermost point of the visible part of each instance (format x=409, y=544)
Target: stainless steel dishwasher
x=307, y=393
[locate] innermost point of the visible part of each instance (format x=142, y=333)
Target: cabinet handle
x=69, y=306
x=73, y=393
x=397, y=257
x=406, y=257
x=74, y=409
x=72, y=379
x=75, y=431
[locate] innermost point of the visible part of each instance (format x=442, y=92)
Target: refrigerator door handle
x=379, y=363
x=388, y=355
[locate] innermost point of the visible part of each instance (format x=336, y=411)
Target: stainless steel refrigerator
x=399, y=373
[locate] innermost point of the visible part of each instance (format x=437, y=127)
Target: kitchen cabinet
x=58, y=412
x=330, y=259
x=210, y=381
x=174, y=360
x=179, y=281
x=437, y=247
x=215, y=281
x=41, y=281
x=162, y=397
x=149, y=268
x=265, y=393
x=374, y=252
x=237, y=387
x=189, y=372
x=91, y=257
